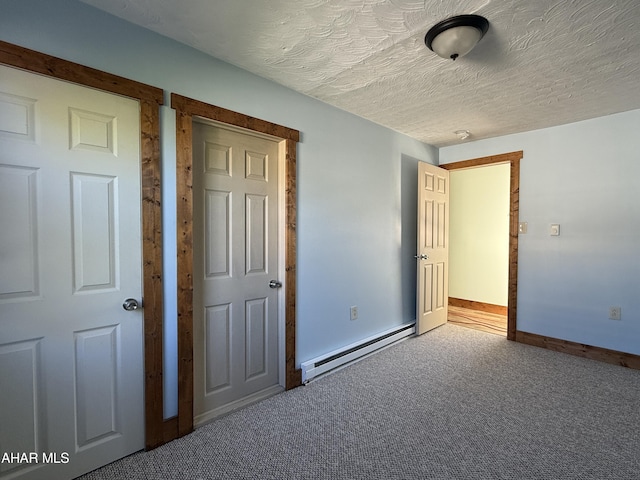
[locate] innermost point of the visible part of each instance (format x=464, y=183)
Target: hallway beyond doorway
x=478, y=320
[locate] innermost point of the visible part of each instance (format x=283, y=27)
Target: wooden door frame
x=186, y=110
x=150, y=99
x=513, y=159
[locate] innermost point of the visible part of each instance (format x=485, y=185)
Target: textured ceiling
x=542, y=63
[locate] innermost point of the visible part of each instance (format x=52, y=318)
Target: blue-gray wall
x=356, y=190
x=586, y=177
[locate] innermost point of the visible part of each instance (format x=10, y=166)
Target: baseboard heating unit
x=317, y=366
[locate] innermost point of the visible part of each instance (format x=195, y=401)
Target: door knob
x=421, y=257
x=130, y=304
x=275, y=284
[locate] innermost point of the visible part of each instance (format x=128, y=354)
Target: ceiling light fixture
x=456, y=36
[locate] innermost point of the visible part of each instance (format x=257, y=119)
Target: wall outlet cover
x=615, y=313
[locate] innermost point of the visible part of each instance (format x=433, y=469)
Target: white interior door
x=433, y=247
x=236, y=354
x=71, y=358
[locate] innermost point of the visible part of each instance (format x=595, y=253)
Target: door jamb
x=150, y=99
x=513, y=158
x=187, y=108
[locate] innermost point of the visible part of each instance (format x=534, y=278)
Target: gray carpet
x=452, y=404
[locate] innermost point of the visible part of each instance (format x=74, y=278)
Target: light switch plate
x=522, y=227
x=554, y=230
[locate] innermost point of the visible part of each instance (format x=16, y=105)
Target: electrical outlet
x=615, y=313
x=353, y=312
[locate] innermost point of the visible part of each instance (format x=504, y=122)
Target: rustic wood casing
x=150, y=98
x=186, y=109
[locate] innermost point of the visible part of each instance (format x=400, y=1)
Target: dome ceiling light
x=456, y=36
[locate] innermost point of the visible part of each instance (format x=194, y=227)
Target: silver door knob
x=421, y=257
x=130, y=304
x=275, y=284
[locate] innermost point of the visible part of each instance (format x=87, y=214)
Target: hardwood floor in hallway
x=478, y=320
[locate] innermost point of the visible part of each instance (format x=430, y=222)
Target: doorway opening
x=479, y=247
x=513, y=160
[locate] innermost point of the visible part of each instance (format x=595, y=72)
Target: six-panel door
x=433, y=247
x=71, y=358
x=235, y=258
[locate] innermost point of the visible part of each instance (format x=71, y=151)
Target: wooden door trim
x=513, y=159
x=150, y=99
x=186, y=109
